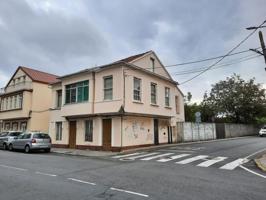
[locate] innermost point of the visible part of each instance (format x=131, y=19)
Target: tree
x=236, y=100
x=190, y=108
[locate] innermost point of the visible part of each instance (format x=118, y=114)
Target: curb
x=260, y=165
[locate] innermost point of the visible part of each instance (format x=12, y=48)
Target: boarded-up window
x=177, y=105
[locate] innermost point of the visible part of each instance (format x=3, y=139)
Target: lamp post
x=261, y=41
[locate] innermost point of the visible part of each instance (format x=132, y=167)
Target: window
x=77, y=92
x=167, y=96
x=88, y=130
x=6, y=103
x=15, y=126
x=137, y=89
x=59, y=98
x=108, y=88
x=20, y=100
x=152, y=64
x=153, y=93
x=58, y=131
x=7, y=126
x=23, y=126
x=177, y=104
x=15, y=102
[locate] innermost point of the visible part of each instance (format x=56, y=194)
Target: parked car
x=7, y=137
x=262, y=131
x=30, y=141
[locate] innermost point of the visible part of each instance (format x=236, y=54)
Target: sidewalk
x=261, y=162
x=77, y=152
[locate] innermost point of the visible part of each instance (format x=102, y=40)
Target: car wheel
x=5, y=146
x=47, y=150
x=261, y=135
x=27, y=149
x=10, y=147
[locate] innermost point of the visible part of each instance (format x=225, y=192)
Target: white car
x=262, y=131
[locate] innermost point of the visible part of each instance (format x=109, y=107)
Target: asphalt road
x=51, y=176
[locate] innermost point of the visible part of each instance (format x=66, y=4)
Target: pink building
x=126, y=104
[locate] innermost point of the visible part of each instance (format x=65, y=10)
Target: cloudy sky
x=64, y=36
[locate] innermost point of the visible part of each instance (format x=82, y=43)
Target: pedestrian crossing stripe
x=166, y=157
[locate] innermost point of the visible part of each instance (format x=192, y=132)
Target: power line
x=208, y=59
x=212, y=65
x=217, y=66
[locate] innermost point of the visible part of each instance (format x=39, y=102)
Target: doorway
x=107, y=131
x=156, y=131
x=72, y=134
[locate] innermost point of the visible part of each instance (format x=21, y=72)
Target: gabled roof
x=134, y=57
x=36, y=75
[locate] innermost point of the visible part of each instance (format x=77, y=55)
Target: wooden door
x=72, y=134
x=156, y=131
x=107, y=131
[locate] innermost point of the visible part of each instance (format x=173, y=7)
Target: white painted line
x=80, y=181
x=126, y=155
x=45, y=174
x=141, y=156
x=189, y=160
x=252, y=171
x=234, y=164
x=211, y=162
x=15, y=168
x=173, y=158
x=157, y=156
x=130, y=192
x=255, y=153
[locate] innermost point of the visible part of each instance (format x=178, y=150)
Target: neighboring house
x=126, y=104
x=25, y=101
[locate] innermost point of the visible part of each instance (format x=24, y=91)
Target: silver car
x=7, y=137
x=30, y=141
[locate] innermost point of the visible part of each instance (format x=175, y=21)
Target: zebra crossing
x=224, y=163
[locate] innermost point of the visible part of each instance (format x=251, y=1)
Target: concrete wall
x=238, y=130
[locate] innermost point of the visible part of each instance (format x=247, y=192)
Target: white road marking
x=252, y=171
x=255, y=153
x=80, y=181
x=234, y=164
x=157, y=156
x=211, y=162
x=130, y=192
x=15, y=168
x=141, y=156
x=173, y=158
x=126, y=155
x=45, y=174
x=189, y=160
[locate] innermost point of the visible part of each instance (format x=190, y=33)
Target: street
x=210, y=170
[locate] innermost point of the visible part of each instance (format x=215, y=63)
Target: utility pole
x=263, y=52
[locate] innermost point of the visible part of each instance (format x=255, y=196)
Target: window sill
x=66, y=104
x=168, y=107
x=155, y=105
x=138, y=102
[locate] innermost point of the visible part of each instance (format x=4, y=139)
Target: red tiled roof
x=39, y=76
x=131, y=58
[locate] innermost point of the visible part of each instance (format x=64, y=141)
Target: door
x=170, y=135
x=107, y=131
x=72, y=134
x=156, y=131
x=220, y=130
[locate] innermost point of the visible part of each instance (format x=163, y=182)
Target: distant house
x=25, y=101
x=126, y=104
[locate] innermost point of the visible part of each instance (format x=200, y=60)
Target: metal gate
x=220, y=130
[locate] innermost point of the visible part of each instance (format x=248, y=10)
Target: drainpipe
x=123, y=105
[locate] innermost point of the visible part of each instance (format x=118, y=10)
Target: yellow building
x=126, y=104
x=25, y=101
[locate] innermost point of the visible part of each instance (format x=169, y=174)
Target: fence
x=188, y=131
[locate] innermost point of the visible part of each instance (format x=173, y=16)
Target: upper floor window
x=167, y=96
x=58, y=98
x=137, y=89
x=77, y=92
x=153, y=93
x=152, y=64
x=177, y=104
x=11, y=102
x=108, y=88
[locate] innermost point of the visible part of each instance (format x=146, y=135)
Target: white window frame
x=108, y=88
x=167, y=96
x=137, y=90
x=154, y=84
x=58, y=131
